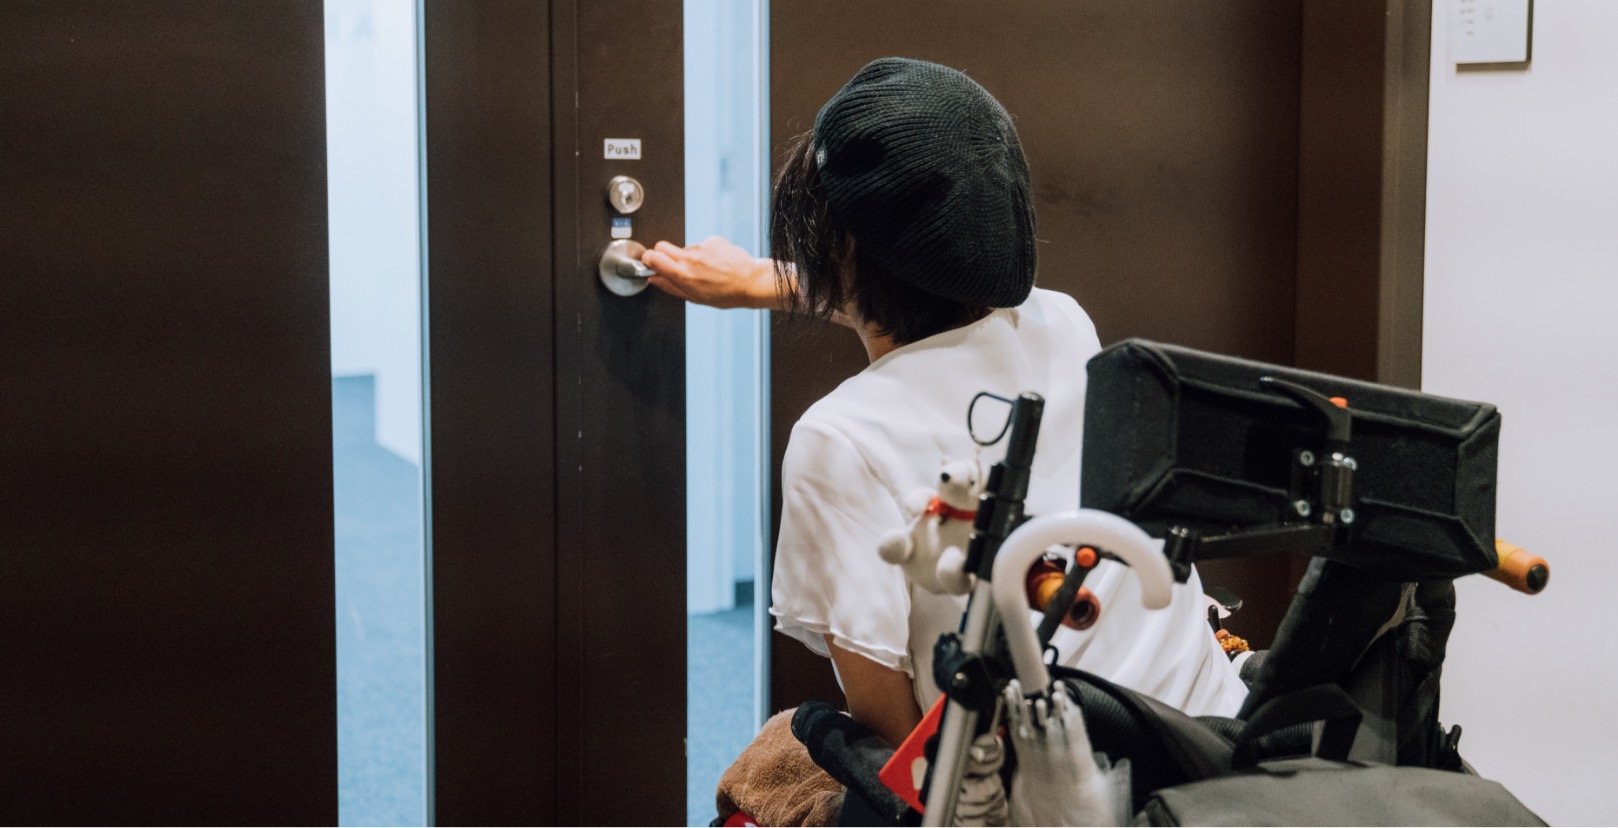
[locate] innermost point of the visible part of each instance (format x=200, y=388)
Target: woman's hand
x=714, y=273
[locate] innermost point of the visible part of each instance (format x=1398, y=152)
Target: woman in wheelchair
x=907, y=215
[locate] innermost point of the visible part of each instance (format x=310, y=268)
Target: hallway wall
x=1522, y=281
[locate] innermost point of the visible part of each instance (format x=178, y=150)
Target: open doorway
x=374, y=200
x=726, y=168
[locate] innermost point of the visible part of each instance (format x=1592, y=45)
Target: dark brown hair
x=831, y=275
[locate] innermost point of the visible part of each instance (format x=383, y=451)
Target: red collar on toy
x=937, y=506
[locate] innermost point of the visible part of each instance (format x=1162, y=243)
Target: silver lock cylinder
x=625, y=194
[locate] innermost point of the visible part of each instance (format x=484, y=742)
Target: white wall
x=1521, y=310
x=725, y=414
x=374, y=206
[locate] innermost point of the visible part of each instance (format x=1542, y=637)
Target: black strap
x=975, y=680
x=1200, y=751
x=1196, y=750
x=850, y=753
x=1333, y=618
x=1320, y=703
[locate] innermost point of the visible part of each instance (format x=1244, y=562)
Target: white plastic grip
x=1089, y=527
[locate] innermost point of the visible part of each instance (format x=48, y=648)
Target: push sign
x=621, y=149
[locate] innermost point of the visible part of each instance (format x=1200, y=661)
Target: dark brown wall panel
x=491, y=472
x=1163, y=142
x=1162, y=139
x=166, y=547
x=1363, y=188
x=1340, y=195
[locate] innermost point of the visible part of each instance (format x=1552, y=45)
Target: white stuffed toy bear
x=932, y=550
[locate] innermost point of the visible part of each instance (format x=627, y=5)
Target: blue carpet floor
x=381, y=630
x=719, y=702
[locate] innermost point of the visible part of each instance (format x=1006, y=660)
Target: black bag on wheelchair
x=1286, y=765
x=1316, y=791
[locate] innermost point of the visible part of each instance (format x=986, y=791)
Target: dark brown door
x=166, y=586
x=1244, y=177
x=166, y=589
x=557, y=416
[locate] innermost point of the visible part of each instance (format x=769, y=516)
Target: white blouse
x=854, y=456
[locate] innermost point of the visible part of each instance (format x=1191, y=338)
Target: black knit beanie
x=922, y=166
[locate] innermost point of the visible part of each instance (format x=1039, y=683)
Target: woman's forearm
x=716, y=273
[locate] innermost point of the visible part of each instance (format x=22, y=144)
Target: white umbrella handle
x=1090, y=527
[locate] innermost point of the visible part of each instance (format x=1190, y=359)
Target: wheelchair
x=1391, y=495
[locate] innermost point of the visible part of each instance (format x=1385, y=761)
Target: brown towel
x=776, y=783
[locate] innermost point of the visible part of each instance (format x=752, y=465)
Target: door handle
x=621, y=269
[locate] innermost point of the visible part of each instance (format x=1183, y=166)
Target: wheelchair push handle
x=1520, y=569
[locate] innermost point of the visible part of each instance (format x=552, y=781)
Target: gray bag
x=1315, y=791
x=1327, y=788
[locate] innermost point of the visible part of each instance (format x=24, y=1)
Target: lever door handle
x=632, y=269
x=621, y=269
